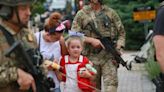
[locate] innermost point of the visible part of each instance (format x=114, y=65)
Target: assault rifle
x=43, y=84
x=108, y=44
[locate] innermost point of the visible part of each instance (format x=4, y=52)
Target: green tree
x=135, y=32
x=38, y=7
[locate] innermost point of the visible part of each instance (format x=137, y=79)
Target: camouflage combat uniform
x=8, y=66
x=100, y=58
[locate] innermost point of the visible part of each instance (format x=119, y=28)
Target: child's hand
x=90, y=63
x=91, y=69
x=55, y=60
x=85, y=74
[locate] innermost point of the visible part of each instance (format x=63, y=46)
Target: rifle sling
x=8, y=36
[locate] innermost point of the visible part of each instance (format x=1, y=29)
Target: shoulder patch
x=29, y=35
x=30, y=38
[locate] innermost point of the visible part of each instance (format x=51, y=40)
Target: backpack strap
x=66, y=58
x=81, y=59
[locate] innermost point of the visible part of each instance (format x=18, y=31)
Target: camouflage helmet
x=6, y=6
x=16, y=2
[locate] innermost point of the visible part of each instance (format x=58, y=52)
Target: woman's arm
x=63, y=46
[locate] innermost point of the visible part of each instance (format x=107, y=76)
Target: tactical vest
x=104, y=21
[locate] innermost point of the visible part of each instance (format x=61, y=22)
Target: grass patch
x=151, y=65
x=152, y=68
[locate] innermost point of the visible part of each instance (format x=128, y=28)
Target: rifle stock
x=43, y=83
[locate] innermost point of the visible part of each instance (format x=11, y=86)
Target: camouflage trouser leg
x=110, y=79
x=109, y=73
x=98, y=76
x=104, y=66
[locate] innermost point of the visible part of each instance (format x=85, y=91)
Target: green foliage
x=135, y=32
x=152, y=66
x=38, y=7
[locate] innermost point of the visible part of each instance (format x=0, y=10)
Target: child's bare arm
x=58, y=75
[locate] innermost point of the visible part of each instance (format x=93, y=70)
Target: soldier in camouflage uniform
x=14, y=17
x=109, y=25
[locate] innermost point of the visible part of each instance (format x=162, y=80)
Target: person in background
x=67, y=24
x=109, y=25
x=76, y=79
x=51, y=43
x=14, y=17
x=158, y=39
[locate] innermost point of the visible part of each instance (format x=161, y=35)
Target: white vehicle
x=57, y=5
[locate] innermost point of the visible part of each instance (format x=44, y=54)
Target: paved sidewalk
x=135, y=80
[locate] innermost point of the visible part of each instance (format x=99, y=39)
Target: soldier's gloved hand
x=120, y=50
x=115, y=63
x=25, y=80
